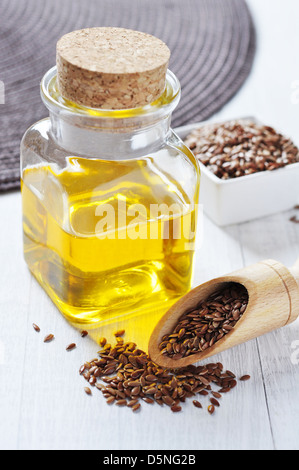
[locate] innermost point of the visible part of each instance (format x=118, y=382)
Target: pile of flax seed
x=126, y=376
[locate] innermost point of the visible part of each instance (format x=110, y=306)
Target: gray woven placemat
x=212, y=44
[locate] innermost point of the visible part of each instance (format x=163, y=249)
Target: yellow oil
x=95, y=271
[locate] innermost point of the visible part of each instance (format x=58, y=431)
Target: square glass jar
x=109, y=206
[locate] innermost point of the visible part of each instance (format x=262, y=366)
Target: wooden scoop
x=273, y=302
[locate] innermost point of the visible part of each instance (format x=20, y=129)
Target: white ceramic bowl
x=249, y=197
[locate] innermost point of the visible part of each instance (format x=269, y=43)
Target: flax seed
x=133, y=383
x=151, y=391
x=49, y=338
x=151, y=378
x=168, y=400
x=133, y=402
x=231, y=374
x=110, y=400
x=224, y=390
x=148, y=400
x=232, y=383
x=136, y=407
x=214, y=402
x=197, y=404
x=122, y=402
x=176, y=408
x=92, y=380
x=244, y=378
x=119, y=333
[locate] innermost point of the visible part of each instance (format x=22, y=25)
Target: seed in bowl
x=241, y=147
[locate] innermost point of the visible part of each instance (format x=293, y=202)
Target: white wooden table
x=42, y=403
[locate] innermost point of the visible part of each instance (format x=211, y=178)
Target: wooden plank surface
x=42, y=402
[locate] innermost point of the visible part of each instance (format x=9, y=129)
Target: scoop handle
x=273, y=303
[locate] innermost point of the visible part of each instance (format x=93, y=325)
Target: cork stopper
x=111, y=68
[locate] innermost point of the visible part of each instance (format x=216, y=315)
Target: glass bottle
x=109, y=206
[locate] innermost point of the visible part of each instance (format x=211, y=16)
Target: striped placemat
x=212, y=44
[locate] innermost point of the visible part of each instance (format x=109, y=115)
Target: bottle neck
x=108, y=140
x=109, y=134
